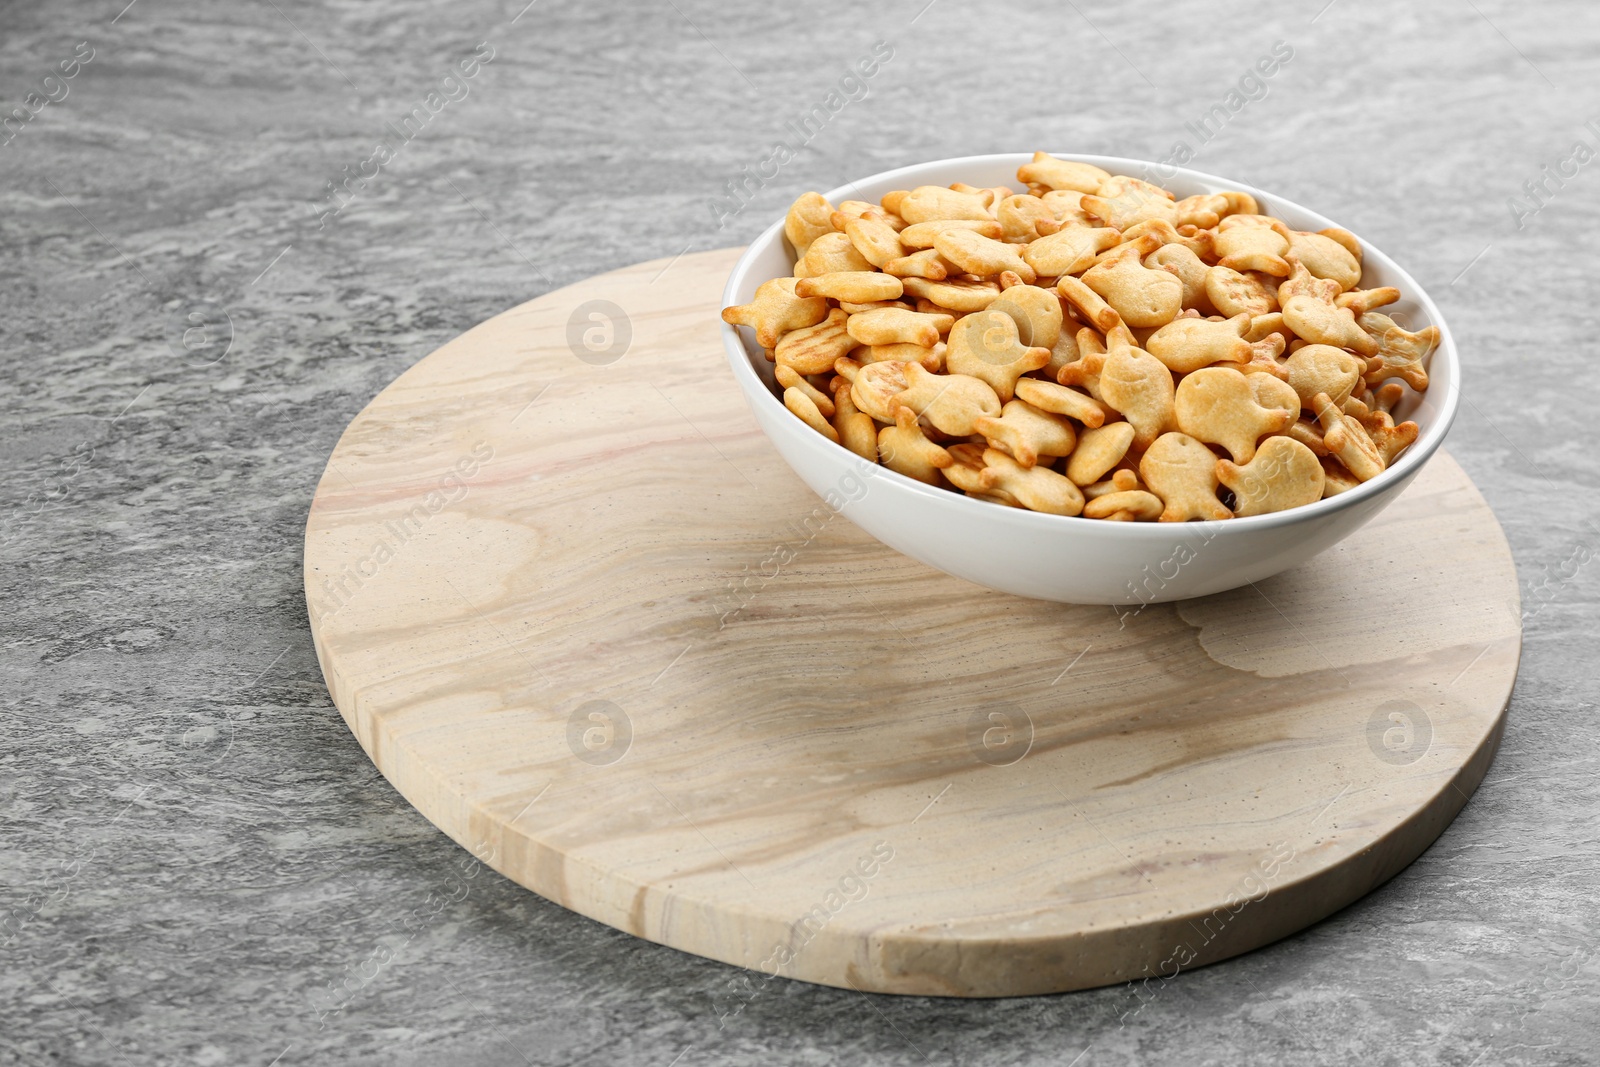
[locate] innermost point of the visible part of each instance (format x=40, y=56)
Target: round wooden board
x=586, y=620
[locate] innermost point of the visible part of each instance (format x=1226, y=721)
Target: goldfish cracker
x=1035, y=488
x=801, y=404
x=1054, y=174
x=1026, y=433
x=808, y=218
x=1098, y=451
x=1060, y=400
x=1189, y=344
x=1216, y=405
x=1183, y=473
x=777, y=310
x=904, y=448
x=856, y=429
x=1036, y=311
x=1140, y=296
x=894, y=326
x=1282, y=474
x=982, y=256
x=950, y=402
x=1139, y=386
x=985, y=345
x=813, y=349
x=856, y=286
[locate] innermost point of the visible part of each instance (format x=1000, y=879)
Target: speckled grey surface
x=199, y=864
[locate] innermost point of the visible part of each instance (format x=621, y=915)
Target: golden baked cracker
x=1183, y=473
x=985, y=345
x=1085, y=370
x=1124, y=202
x=930, y=203
x=856, y=429
x=1336, y=479
x=800, y=403
x=1389, y=439
x=813, y=349
x=982, y=256
x=1189, y=269
x=927, y=263
x=1253, y=243
x=1090, y=306
x=1070, y=250
x=1393, y=440
x=1347, y=439
x=856, y=286
x=1233, y=293
x=1388, y=395
x=829, y=253
x=990, y=195
x=1066, y=205
x=1026, y=432
x=1155, y=234
x=850, y=309
x=1344, y=238
x=1099, y=450
x=1060, y=400
x=1361, y=301
x=1024, y=217
x=1052, y=173
x=922, y=234
x=1309, y=433
x=1268, y=325
x=1037, y=488
x=1139, y=386
x=1239, y=203
x=1189, y=344
x=1139, y=295
x=950, y=402
x=1216, y=405
x=1309, y=311
x=1127, y=505
x=1283, y=474
x=1063, y=352
x=1037, y=313
x=896, y=326
x=1317, y=369
x=1401, y=353
x=1325, y=258
x=1122, y=480
x=1202, y=210
x=875, y=239
x=930, y=357
x=966, y=469
x=808, y=218
x=904, y=448
x=1264, y=358
x=875, y=387
x=776, y=310
x=958, y=296
x=789, y=378
x=1271, y=392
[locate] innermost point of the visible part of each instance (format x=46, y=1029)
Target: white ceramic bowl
x=1077, y=560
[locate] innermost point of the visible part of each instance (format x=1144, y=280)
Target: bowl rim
x=1427, y=443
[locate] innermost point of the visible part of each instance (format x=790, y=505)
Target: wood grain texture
x=588, y=623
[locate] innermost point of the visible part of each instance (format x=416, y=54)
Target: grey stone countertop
x=199, y=864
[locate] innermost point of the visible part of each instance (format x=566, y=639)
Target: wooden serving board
x=586, y=620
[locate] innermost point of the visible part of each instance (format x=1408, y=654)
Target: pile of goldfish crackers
x=1092, y=346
